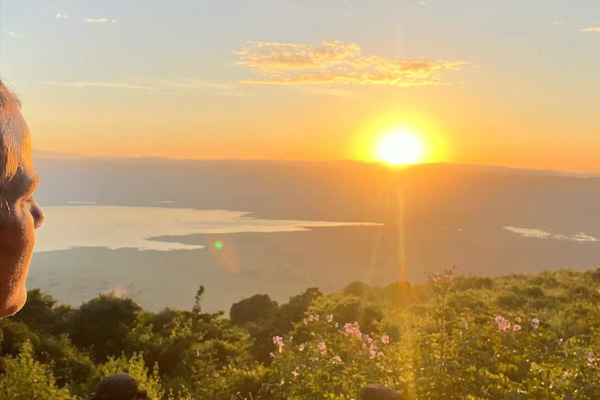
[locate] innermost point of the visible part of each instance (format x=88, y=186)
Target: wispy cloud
x=419, y=5
x=14, y=34
x=534, y=233
x=106, y=85
x=61, y=16
x=325, y=91
x=559, y=22
x=336, y=62
x=99, y=20
x=155, y=85
x=591, y=29
x=192, y=84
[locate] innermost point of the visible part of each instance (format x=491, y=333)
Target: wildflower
x=353, y=329
x=336, y=360
x=435, y=277
x=369, y=339
x=561, y=341
x=278, y=341
x=322, y=347
x=373, y=351
x=329, y=318
x=516, y=328
x=301, y=347
x=305, y=321
x=385, y=339
x=591, y=358
x=295, y=373
x=535, y=323
x=503, y=324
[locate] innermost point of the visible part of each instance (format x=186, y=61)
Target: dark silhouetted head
x=119, y=387
x=378, y=392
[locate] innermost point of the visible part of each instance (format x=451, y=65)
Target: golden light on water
x=400, y=148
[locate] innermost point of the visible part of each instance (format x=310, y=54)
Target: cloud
x=154, y=85
x=591, y=29
x=15, y=35
x=329, y=91
x=336, y=62
x=534, y=233
x=559, y=22
x=99, y=20
x=81, y=85
x=61, y=16
x=419, y=5
x=192, y=84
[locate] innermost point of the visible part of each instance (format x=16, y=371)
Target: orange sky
x=310, y=79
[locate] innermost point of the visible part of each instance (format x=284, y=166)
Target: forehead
x=16, y=163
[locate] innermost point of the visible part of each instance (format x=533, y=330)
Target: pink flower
x=535, y=323
x=336, y=360
x=329, y=318
x=322, y=347
x=373, y=351
x=278, y=341
x=435, y=277
x=591, y=358
x=503, y=324
x=295, y=373
x=353, y=329
x=516, y=327
x=385, y=339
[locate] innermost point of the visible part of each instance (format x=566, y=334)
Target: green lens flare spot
x=219, y=245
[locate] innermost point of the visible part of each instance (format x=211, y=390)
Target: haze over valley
x=277, y=227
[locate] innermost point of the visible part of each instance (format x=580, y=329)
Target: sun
x=400, y=148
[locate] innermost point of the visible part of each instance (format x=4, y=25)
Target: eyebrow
x=31, y=182
x=34, y=181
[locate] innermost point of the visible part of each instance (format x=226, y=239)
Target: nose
x=38, y=215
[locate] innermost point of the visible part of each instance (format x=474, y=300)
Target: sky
x=501, y=82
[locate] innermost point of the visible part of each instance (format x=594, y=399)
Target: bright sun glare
x=400, y=148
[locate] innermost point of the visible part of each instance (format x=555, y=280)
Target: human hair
x=119, y=387
x=10, y=152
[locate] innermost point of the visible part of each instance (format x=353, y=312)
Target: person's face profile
x=20, y=216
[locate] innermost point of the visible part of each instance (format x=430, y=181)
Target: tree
x=26, y=379
x=103, y=324
x=257, y=308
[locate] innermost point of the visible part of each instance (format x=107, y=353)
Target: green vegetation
x=457, y=337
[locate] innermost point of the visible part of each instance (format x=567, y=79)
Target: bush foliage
x=456, y=337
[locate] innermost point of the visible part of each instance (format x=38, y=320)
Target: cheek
x=17, y=237
x=16, y=247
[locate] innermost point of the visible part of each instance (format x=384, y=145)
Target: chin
x=13, y=304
